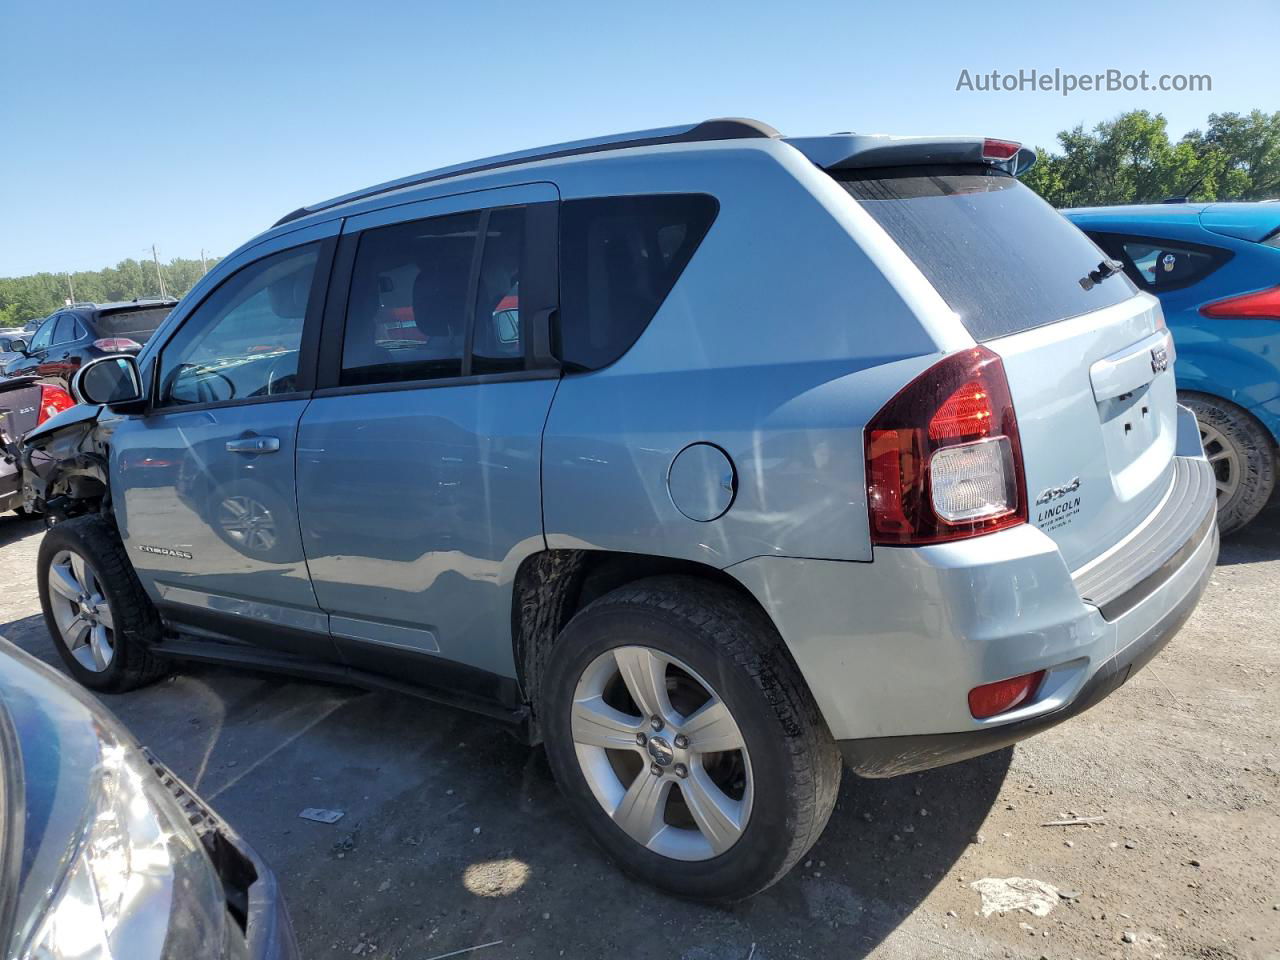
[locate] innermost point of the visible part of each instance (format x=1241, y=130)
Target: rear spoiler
x=864, y=151
x=18, y=383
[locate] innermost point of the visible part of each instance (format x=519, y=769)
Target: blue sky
x=189, y=126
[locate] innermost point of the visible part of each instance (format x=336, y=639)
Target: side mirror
x=113, y=381
x=17, y=345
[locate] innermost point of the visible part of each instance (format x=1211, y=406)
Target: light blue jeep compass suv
x=702, y=456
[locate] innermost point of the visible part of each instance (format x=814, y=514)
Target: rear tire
x=102, y=622
x=746, y=795
x=1242, y=455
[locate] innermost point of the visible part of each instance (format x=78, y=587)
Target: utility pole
x=71, y=290
x=203, y=262
x=154, y=256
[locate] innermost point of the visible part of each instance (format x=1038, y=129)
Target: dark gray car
x=104, y=852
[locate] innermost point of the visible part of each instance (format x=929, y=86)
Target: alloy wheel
x=81, y=610
x=1223, y=459
x=662, y=753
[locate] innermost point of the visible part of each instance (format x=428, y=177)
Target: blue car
x=1215, y=268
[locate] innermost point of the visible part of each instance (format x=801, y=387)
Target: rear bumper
x=890, y=756
x=891, y=648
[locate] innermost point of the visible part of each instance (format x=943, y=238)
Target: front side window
x=407, y=309
x=242, y=342
x=44, y=336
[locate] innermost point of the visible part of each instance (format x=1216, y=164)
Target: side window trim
x=473, y=288
x=307, y=350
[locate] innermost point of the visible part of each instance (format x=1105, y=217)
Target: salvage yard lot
x=454, y=835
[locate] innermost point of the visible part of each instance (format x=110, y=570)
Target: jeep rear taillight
x=53, y=400
x=944, y=461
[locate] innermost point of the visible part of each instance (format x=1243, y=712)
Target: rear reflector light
x=117, y=344
x=1261, y=303
x=994, y=698
x=999, y=149
x=944, y=460
x=53, y=400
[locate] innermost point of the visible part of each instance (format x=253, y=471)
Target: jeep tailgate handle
x=254, y=445
x=1133, y=367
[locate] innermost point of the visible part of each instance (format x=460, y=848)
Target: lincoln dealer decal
x=1057, y=506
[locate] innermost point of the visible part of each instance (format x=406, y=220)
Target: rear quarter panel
x=780, y=340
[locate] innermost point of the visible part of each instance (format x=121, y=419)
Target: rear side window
x=619, y=258
x=137, y=325
x=1166, y=266
x=1001, y=258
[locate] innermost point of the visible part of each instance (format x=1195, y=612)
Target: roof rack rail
x=725, y=128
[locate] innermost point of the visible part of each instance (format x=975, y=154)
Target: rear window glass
x=619, y=258
x=137, y=325
x=1001, y=258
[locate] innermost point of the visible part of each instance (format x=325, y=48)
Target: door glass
x=243, y=341
x=499, y=344
x=43, y=336
x=407, y=312
x=65, y=331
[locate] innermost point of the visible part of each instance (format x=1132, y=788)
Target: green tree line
x=1132, y=160
x=39, y=294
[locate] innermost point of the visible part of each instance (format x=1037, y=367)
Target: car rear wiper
x=1105, y=268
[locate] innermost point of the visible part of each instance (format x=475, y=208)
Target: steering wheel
x=204, y=391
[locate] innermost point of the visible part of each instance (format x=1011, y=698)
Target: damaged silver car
x=705, y=457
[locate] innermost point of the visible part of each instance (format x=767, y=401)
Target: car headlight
x=137, y=882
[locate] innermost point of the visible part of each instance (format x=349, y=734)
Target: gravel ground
x=454, y=835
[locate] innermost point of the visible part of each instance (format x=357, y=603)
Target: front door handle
x=254, y=445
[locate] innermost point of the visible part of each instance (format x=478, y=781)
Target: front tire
x=1241, y=454
x=102, y=622
x=683, y=734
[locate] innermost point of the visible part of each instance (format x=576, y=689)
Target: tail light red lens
x=999, y=149
x=944, y=460
x=117, y=345
x=1261, y=303
x=53, y=400
x=991, y=699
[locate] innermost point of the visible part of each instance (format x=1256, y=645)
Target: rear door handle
x=254, y=445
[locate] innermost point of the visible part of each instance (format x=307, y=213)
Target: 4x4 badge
x=1159, y=359
x=1053, y=493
